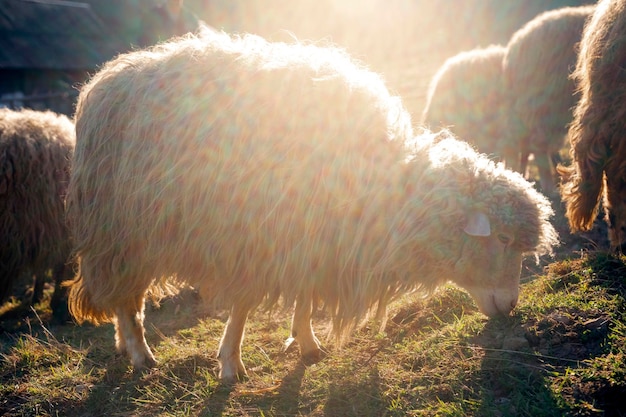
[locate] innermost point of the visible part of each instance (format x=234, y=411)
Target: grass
x=562, y=353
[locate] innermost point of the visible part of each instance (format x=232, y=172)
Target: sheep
x=262, y=172
x=467, y=96
x=35, y=153
x=539, y=58
x=597, y=147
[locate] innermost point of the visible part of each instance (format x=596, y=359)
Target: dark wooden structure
x=49, y=47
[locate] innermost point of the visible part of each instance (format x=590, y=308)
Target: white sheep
x=539, y=59
x=467, y=96
x=259, y=171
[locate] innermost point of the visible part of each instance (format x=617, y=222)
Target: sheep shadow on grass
x=510, y=379
x=564, y=356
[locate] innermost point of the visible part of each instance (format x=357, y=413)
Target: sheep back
x=467, y=96
x=538, y=61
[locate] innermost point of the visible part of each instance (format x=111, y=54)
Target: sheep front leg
x=229, y=352
x=130, y=335
x=58, y=303
x=546, y=176
x=524, y=155
x=302, y=331
x=543, y=160
x=38, y=284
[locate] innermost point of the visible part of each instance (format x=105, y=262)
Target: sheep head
x=489, y=265
x=493, y=218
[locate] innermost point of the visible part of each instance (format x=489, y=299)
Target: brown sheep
x=539, y=59
x=467, y=96
x=35, y=152
x=598, y=149
x=258, y=171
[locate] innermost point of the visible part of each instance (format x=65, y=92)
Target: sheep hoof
x=61, y=315
x=289, y=344
x=230, y=379
x=232, y=372
x=314, y=356
x=144, y=365
x=150, y=362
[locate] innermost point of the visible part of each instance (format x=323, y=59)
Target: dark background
x=48, y=48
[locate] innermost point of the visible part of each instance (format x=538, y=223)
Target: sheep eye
x=504, y=239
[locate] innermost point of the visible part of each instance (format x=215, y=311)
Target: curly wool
x=467, y=96
x=457, y=173
x=254, y=171
x=537, y=64
x=596, y=133
x=35, y=152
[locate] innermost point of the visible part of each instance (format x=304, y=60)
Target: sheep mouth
x=503, y=312
x=492, y=307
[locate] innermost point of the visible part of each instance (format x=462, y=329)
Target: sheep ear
x=477, y=224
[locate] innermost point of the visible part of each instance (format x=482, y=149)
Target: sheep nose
x=505, y=309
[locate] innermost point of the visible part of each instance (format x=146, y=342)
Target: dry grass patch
x=560, y=354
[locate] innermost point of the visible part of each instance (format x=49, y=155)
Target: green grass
x=562, y=353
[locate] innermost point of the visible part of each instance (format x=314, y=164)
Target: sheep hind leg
x=546, y=170
x=130, y=335
x=58, y=303
x=38, y=285
x=302, y=331
x=523, y=163
x=229, y=352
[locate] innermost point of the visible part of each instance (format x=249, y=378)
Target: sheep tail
x=81, y=306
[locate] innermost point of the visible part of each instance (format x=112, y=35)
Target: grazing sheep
x=35, y=152
x=537, y=65
x=467, y=96
x=598, y=147
x=255, y=171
